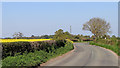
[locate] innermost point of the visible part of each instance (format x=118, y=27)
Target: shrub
x=108, y=41
x=19, y=48
x=10, y=49
x=37, y=57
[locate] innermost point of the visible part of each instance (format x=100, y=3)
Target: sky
x=41, y=18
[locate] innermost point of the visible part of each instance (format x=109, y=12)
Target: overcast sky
x=41, y=18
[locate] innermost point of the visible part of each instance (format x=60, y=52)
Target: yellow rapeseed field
x=18, y=40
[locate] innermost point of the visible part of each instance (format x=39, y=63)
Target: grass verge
x=114, y=48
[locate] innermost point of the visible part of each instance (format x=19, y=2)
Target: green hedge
x=112, y=41
x=111, y=47
x=19, y=48
x=37, y=57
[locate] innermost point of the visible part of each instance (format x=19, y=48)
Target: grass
x=114, y=48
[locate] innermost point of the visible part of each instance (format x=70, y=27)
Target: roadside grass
x=114, y=48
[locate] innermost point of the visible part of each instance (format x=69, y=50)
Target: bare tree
x=97, y=26
x=18, y=35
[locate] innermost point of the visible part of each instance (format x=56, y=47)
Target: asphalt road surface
x=86, y=55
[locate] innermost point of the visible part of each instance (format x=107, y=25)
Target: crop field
x=22, y=40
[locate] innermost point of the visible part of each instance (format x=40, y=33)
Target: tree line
x=97, y=26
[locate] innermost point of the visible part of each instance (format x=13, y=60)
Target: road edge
x=112, y=53
x=108, y=50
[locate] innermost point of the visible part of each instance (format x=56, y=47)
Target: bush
x=19, y=48
x=10, y=49
x=37, y=57
x=108, y=41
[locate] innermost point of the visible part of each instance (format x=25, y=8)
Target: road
x=86, y=55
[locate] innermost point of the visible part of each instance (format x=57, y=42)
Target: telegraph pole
x=70, y=30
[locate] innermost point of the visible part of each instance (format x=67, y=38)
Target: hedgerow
x=37, y=57
x=112, y=41
x=19, y=48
